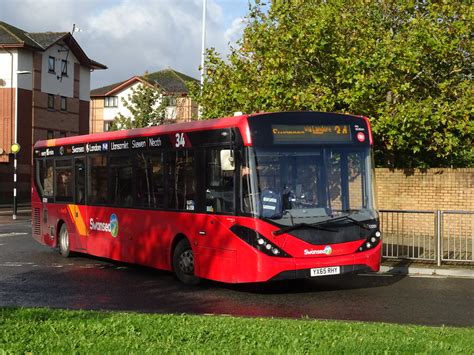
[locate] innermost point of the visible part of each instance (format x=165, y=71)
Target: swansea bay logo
x=327, y=250
x=112, y=226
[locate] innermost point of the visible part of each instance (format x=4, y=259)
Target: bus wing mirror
x=227, y=160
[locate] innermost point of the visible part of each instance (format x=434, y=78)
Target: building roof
x=169, y=80
x=14, y=37
x=47, y=39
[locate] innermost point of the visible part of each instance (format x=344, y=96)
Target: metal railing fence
x=428, y=235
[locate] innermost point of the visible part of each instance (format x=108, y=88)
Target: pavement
x=389, y=266
x=409, y=267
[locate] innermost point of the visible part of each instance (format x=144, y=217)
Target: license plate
x=323, y=271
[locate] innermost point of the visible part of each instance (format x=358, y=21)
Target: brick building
x=106, y=102
x=44, y=94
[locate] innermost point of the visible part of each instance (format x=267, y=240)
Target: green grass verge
x=41, y=331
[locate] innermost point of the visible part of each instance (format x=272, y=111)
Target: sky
x=134, y=36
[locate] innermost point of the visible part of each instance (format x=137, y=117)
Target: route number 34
x=180, y=140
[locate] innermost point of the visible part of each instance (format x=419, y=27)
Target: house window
x=111, y=101
x=107, y=125
x=171, y=100
x=63, y=67
x=50, y=102
x=51, y=64
x=50, y=135
x=63, y=103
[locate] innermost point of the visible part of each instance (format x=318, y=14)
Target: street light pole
x=203, y=50
x=203, y=42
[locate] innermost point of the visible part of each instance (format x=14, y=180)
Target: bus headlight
x=258, y=241
x=371, y=242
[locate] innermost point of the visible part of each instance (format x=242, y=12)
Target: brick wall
x=425, y=189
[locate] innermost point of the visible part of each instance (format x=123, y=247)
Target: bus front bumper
x=368, y=261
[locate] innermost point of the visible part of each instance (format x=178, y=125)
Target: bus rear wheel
x=183, y=263
x=63, y=242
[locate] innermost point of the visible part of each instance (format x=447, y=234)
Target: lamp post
x=15, y=147
x=203, y=39
x=203, y=50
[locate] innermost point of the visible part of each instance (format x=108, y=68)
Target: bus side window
x=97, y=187
x=80, y=180
x=64, y=182
x=121, y=180
x=219, y=184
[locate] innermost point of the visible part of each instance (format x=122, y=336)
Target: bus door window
x=248, y=186
x=346, y=182
x=80, y=180
x=64, y=181
x=181, y=189
x=334, y=181
x=219, y=183
x=121, y=180
x=45, y=177
x=143, y=181
x=97, y=186
x=356, y=181
x=158, y=195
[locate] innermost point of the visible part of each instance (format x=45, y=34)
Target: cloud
x=132, y=36
x=235, y=31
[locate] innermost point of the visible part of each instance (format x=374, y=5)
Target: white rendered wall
x=22, y=61
x=85, y=84
x=25, y=65
x=50, y=82
x=111, y=112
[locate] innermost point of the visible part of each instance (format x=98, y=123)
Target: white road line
x=429, y=276
x=5, y=235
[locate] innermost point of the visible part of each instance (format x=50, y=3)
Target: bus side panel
x=215, y=249
x=109, y=233
x=152, y=238
x=36, y=218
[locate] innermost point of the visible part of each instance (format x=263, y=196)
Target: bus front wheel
x=63, y=241
x=183, y=263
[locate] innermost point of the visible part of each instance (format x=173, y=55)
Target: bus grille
x=36, y=221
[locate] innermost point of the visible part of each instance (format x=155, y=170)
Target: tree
x=147, y=107
x=405, y=64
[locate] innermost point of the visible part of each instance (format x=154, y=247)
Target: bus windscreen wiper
x=301, y=225
x=340, y=218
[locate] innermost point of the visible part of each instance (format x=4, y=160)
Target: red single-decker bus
x=249, y=198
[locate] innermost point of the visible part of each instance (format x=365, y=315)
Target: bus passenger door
x=216, y=256
x=78, y=209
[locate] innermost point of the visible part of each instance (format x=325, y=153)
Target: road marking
x=5, y=235
x=429, y=276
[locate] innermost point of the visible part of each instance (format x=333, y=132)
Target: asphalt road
x=33, y=275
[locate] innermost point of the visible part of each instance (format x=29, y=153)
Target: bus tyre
x=63, y=241
x=183, y=263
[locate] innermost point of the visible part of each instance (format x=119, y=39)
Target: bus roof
x=219, y=123
x=240, y=122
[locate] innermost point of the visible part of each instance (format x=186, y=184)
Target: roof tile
x=170, y=80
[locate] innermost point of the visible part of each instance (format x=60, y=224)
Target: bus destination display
x=311, y=134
